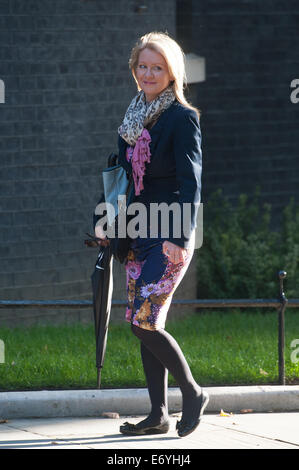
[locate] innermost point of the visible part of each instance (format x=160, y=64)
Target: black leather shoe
x=187, y=427
x=136, y=430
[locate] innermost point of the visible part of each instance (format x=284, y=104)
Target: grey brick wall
x=67, y=85
x=250, y=126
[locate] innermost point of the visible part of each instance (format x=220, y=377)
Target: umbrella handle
x=96, y=241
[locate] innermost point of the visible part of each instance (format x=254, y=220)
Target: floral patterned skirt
x=151, y=282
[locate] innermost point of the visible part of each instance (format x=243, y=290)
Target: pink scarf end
x=141, y=155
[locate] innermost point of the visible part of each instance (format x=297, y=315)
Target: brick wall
x=250, y=126
x=64, y=66
x=67, y=85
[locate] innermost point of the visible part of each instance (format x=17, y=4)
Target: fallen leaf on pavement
x=225, y=415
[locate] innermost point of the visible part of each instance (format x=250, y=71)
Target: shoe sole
x=145, y=432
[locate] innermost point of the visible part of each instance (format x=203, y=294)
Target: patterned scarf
x=139, y=114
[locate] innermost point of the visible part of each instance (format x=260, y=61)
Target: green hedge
x=241, y=252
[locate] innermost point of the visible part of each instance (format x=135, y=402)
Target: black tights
x=161, y=353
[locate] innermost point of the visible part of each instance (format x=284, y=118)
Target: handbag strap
x=112, y=159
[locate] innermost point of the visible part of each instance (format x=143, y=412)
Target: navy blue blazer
x=174, y=172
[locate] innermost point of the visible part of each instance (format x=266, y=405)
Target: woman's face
x=152, y=73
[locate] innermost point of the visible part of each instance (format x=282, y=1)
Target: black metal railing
x=280, y=303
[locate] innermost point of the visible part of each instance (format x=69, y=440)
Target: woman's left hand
x=175, y=253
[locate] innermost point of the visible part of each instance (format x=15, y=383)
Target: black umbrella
x=102, y=287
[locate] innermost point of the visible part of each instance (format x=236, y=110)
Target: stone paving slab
x=238, y=431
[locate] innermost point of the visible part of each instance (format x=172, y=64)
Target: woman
x=159, y=142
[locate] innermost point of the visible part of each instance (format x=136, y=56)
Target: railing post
x=281, y=333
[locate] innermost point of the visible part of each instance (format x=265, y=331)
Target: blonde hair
x=174, y=57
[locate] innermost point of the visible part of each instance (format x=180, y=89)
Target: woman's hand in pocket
x=175, y=253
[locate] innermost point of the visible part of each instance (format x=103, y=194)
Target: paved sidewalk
x=236, y=431
x=72, y=420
